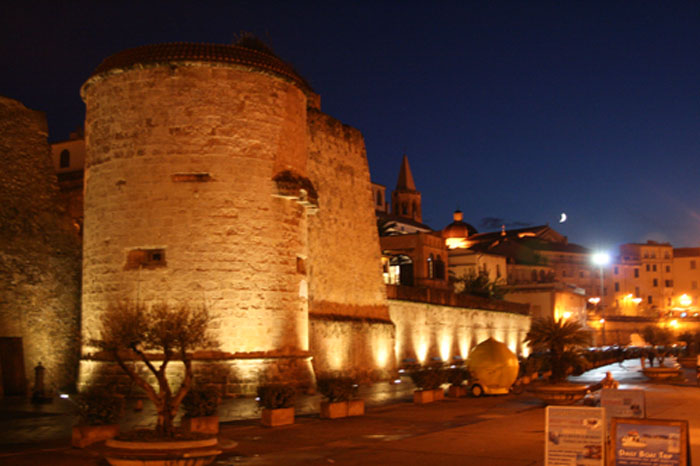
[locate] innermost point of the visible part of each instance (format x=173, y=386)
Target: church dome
x=458, y=228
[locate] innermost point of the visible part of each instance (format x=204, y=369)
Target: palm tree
x=562, y=340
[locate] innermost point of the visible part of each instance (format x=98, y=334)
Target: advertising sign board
x=648, y=442
x=575, y=436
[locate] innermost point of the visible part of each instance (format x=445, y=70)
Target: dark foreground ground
x=497, y=430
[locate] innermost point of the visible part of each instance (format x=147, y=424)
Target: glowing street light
x=685, y=300
x=601, y=259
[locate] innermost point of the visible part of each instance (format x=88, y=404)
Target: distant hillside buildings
x=537, y=264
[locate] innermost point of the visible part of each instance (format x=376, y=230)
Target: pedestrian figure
x=609, y=382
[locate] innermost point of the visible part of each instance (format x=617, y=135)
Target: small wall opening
x=145, y=258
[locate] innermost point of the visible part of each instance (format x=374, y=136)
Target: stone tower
x=406, y=199
x=206, y=171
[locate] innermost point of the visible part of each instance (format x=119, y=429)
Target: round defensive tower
x=196, y=190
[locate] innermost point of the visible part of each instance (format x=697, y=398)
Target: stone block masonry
x=427, y=332
x=39, y=259
x=350, y=330
x=225, y=240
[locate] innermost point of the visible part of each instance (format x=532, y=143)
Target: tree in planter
x=659, y=339
x=562, y=340
x=689, y=340
x=133, y=331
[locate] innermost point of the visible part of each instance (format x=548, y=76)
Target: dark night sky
x=513, y=110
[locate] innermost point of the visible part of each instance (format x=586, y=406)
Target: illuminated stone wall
x=344, y=255
x=180, y=161
x=425, y=331
x=350, y=328
x=39, y=251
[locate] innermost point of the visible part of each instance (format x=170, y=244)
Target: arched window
x=431, y=267
x=404, y=208
x=64, y=161
x=439, y=268
x=401, y=270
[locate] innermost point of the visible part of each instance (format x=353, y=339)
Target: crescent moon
x=563, y=218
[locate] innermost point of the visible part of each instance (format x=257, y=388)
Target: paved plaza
x=494, y=430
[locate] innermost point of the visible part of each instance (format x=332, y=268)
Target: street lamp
x=601, y=259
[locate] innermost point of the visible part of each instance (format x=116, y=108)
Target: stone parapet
x=446, y=297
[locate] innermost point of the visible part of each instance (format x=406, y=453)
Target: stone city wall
x=350, y=327
x=429, y=332
x=39, y=255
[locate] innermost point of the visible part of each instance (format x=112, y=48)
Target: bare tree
x=159, y=332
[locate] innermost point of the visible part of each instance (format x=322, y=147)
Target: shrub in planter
x=277, y=401
x=427, y=379
x=99, y=407
x=201, y=401
x=337, y=391
x=337, y=388
x=456, y=377
x=99, y=412
x=427, y=382
x=200, y=405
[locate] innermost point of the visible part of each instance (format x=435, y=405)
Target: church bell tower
x=406, y=199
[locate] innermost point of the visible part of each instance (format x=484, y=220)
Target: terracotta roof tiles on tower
x=259, y=58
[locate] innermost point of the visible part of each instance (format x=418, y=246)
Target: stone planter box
x=172, y=453
x=560, y=394
x=456, y=391
x=661, y=373
x=83, y=436
x=204, y=424
x=356, y=408
x=277, y=417
x=423, y=396
x=334, y=410
x=439, y=394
